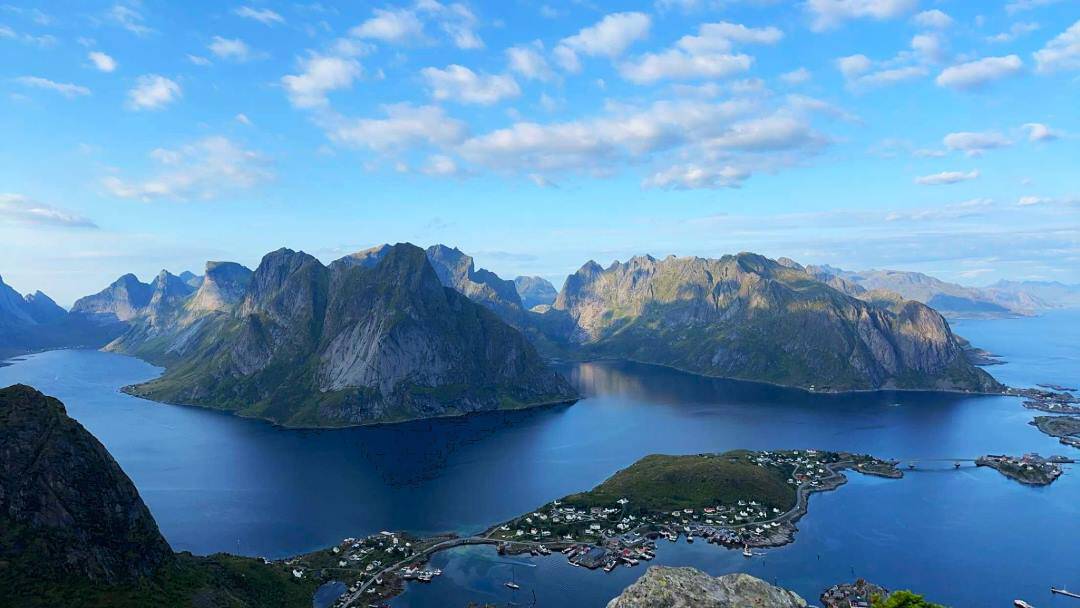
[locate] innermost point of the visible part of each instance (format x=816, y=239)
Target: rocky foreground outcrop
x=66, y=508
x=74, y=531
x=748, y=317
x=664, y=587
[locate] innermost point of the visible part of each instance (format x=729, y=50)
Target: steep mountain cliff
x=457, y=270
x=535, y=291
x=74, y=531
x=665, y=587
x=748, y=317
x=372, y=338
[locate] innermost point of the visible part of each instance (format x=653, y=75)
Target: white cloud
x=440, y=165
x=202, y=170
x=1026, y=5
x=600, y=144
x=243, y=119
x=1061, y=53
x=66, y=89
x=1016, y=30
x=1040, y=132
x=978, y=73
x=695, y=176
x=264, y=16
x=393, y=26
x=20, y=209
x=405, y=126
x=946, y=177
x=152, y=92
x=796, y=77
x=933, y=18
x=406, y=25
x=459, y=83
x=676, y=64
x=320, y=74
x=198, y=60
x=455, y=20
x=1027, y=201
x=704, y=55
x=102, y=61
x=827, y=14
x=127, y=16
x=527, y=61
x=233, y=49
x=974, y=144
x=929, y=47
x=861, y=72
x=610, y=37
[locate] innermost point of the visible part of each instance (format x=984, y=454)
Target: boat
x=1064, y=592
x=747, y=552
x=512, y=585
x=1022, y=604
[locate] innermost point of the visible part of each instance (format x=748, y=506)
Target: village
x=607, y=536
x=595, y=536
x=1031, y=469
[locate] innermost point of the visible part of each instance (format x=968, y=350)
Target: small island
x=1065, y=428
x=1051, y=398
x=1029, y=469
x=738, y=499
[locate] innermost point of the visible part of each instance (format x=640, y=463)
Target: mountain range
x=373, y=337
x=1001, y=299
x=35, y=322
x=748, y=317
x=396, y=332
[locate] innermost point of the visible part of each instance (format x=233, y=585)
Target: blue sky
x=933, y=135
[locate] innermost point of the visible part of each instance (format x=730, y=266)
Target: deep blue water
x=965, y=538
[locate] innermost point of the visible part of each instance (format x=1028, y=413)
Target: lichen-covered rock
x=664, y=587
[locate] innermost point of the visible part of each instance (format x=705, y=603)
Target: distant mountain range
x=396, y=332
x=35, y=322
x=1002, y=299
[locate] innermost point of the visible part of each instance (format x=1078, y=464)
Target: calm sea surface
x=965, y=538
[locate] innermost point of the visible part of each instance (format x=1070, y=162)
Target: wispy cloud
x=66, y=89
x=23, y=210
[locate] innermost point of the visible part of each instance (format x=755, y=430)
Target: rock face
x=371, y=338
x=222, y=287
x=664, y=587
x=535, y=291
x=66, y=508
x=457, y=270
x=749, y=317
x=121, y=301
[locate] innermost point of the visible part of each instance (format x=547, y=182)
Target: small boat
x=747, y=552
x=512, y=585
x=1065, y=593
x=1022, y=604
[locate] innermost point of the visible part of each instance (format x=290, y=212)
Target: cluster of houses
x=614, y=534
